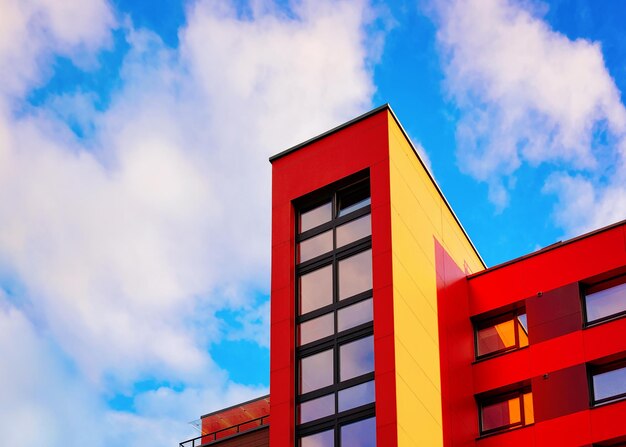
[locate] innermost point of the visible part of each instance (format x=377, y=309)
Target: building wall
x=547, y=283
x=256, y=438
x=420, y=221
x=362, y=145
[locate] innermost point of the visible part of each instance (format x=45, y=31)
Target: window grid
x=337, y=339
x=484, y=402
x=518, y=330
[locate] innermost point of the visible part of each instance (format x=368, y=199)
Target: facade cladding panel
x=528, y=353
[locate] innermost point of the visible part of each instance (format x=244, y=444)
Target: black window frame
x=338, y=419
x=599, y=286
x=482, y=322
x=495, y=397
x=595, y=369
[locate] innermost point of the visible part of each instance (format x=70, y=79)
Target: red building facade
x=387, y=328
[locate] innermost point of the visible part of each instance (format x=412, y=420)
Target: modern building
x=388, y=329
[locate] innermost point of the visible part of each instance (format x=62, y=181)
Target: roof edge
x=374, y=111
x=432, y=179
x=550, y=247
x=329, y=132
x=213, y=413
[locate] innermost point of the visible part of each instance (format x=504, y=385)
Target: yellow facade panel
x=419, y=217
x=416, y=300
x=421, y=429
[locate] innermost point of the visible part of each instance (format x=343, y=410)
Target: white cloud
x=125, y=244
x=527, y=95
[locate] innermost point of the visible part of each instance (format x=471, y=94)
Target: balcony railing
x=227, y=432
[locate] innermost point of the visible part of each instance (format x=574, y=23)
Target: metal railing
x=218, y=435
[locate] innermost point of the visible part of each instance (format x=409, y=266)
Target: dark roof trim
x=387, y=107
x=432, y=179
x=235, y=406
x=329, y=132
x=550, y=247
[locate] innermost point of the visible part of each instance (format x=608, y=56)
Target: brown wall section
x=253, y=438
x=554, y=313
x=560, y=393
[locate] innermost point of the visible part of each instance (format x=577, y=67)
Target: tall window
x=334, y=327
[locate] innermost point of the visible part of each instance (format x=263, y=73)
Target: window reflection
x=316, y=371
x=353, y=198
x=606, y=303
x=323, y=439
x=359, y=434
x=507, y=412
x=316, y=289
x=609, y=385
x=501, y=334
x=351, y=316
x=354, y=230
x=315, y=246
x=356, y=396
x=355, y=274
x=316, y=408
x=356, y=358
x=316, y=216
x=316, y=328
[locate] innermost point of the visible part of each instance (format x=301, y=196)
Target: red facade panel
x=360, y=146
x=548, y=285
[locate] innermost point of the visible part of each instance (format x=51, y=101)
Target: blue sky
x=135, y=186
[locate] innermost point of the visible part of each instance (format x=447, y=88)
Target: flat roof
x=388, y=108
x=550, y=247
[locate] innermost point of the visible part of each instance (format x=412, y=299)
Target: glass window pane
x=316, y=328
x=356, y=396
x=316, y=371
x=356, y=358
x=522, y=329
x=610, y=383
x=323, y=439
x=316, y=408
x=316, y=289
x=359, y=434
x=353, y=198
x=606, y=302
x=354, y=230
x=316, y=216
x=355, y=274
x=501, y=414
x=529, y=412
x=359, y=313
x=315, y=246
x=496, y=337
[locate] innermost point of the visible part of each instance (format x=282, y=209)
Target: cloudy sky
x=135, y=186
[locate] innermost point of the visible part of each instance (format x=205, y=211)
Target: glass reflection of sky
x=316, y=289
x=611, y=383
x=354, y=315
x=355, y=274
x=316, y=371
x=315, y=217
x=359, y=434
x=606, y=302
x=354, y=230
x=356, y=396
x=317, y=408
x=315, y=246
x=323, y=439
x=356, y=358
